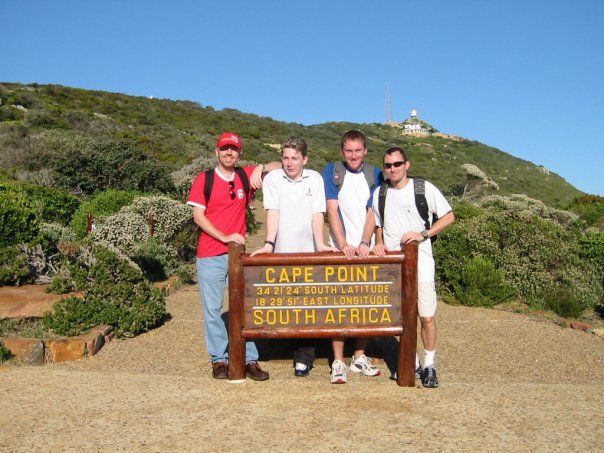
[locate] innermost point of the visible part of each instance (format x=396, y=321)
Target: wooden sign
x=322, y=295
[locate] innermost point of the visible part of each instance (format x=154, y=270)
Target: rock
x=578, y=325
x=599, y=332
x=65, y=349
x=27, y=350
x=94, y=342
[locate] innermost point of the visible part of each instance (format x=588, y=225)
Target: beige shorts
x=426, y=300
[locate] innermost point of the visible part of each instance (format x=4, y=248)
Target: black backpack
x=419, y=186
x=209, y=182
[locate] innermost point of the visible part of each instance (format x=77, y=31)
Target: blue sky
x=523, y=76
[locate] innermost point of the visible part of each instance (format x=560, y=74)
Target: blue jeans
x=212, y=274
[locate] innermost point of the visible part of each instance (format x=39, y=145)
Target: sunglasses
x=389, y=165
x=232, y=187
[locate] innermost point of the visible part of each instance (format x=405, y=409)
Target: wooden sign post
x=322, y=295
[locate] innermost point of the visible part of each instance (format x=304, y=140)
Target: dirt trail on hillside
x=509, y=382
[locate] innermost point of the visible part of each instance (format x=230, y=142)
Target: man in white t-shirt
x=294, y=199
x=349, y=185
x=403, y=224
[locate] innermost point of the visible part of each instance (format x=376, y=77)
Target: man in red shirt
x=222, y=220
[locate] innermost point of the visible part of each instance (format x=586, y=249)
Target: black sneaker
x=428, y=377
x=418, y=372
x=301, y=372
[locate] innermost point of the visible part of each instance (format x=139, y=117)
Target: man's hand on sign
x=266, y=248
x=380, y=249
x=326, y=248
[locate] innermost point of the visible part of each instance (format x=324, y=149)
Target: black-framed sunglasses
x=232, y=187
x=388, y=165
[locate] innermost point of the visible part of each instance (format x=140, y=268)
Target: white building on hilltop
x=414, y=126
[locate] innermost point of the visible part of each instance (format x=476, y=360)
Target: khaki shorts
x=426, y=300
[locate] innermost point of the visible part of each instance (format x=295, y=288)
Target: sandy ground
x=509, y=382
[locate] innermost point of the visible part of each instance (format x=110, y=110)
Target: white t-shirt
x=296, y=201
x=352, y=202
x=402, y=215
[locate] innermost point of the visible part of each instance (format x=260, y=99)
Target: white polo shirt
x=296, y=201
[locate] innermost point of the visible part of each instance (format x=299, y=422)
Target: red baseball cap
x=228, y=138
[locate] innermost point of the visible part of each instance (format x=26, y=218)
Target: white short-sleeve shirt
x=401, y=215
x=296, y=201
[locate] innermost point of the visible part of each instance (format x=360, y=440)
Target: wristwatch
x=425, y=234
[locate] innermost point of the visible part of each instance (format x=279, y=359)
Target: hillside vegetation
x=93, y=188
x=39, y=123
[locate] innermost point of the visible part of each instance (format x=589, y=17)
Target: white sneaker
x=363, y=365
x=338, y=372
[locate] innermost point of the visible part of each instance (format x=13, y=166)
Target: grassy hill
x=39, y=122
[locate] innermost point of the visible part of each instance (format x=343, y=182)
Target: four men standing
x=294, y=198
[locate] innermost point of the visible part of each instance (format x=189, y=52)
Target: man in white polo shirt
x=294, y=199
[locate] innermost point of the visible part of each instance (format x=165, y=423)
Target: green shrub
x=169, y=216
x=481, y=284
x=121, y=165
x=102, y=205
x=5, y=354
x=55, y=206
x=19, y=219
x=186, y=274
x=562, y=301
x=531, y=253
x=72, y=316
x=155, y=260
x=115, y=293
x=590, y=209
x=14, y=269
x=592, y=249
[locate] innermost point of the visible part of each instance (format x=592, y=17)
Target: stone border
x=36, y=351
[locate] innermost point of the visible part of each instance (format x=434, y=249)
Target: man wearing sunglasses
x=221, y=218
x=402, y=224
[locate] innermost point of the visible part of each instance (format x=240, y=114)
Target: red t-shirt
x=226, y=214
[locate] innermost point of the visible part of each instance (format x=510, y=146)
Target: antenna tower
x=388, y=104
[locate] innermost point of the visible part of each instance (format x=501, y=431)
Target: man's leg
x=426, y=308
x=212, y=277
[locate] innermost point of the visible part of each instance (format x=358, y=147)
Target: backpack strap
x=382, y=199
x=419, y=187
x=207, y=188
x=422, y=204
x=209, y=182
x=339, y=172
x=369, y=172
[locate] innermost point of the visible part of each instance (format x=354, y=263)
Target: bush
x=562, y=301
x=530, y=253
x=5, y=354
x=169, y=216
x=480, y=284
x=54, y=206
x=106, y=166
x=115, y=293
x=122, y=231
x=100, y=206
x=155, y=260
x=14, y=268
x=19, y=219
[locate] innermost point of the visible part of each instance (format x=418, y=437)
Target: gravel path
x=509, y=382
